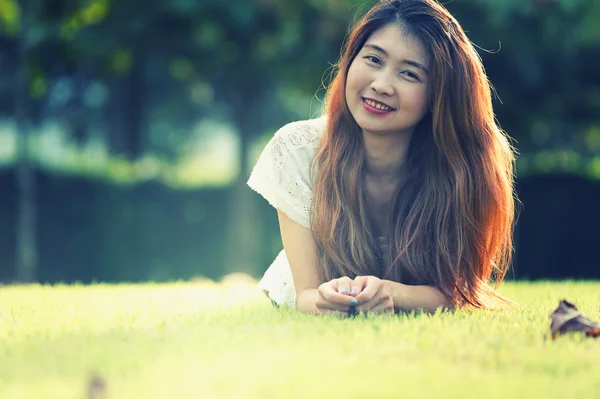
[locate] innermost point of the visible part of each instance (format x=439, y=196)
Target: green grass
x=203, y=340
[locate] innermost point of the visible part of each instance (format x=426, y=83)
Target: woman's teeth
x=378, y=105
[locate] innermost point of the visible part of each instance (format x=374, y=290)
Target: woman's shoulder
x=303, y=133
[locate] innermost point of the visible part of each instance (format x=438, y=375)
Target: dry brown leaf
x=567, y=318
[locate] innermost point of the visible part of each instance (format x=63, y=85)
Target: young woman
x=401, y=196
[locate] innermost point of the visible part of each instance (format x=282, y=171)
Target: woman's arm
x=300, y=249
x=415, y=297
x=306, y=300
x=301, y=254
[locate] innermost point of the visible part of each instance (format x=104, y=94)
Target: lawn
x=207, y=340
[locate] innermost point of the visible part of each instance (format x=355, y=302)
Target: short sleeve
x=282, y=173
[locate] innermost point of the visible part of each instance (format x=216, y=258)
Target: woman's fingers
x=369, y=290
x=358, y=284
x=323, y=303
x=374, y=297
x=376, y=305
x=364, y=307
x=332, y=299
x=343, y=285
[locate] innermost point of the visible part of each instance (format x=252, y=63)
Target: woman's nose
x=382, y=85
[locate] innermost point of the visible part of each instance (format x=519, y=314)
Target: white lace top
x=281, y=176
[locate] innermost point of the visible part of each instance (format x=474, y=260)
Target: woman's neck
x=385, y=154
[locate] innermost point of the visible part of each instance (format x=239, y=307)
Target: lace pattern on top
x=282, y=172
x=293, y=136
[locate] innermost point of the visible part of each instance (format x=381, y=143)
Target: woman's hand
x=334, y=297
x=373, y=295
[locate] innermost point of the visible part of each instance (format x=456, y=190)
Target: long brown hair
x=451, y=217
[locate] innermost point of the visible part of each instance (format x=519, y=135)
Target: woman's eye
x=412, y=75
x=373, y=59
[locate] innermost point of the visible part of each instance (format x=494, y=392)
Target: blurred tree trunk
x=245, y=230
x=26, y=251
x=134, y=118
x=127, y=93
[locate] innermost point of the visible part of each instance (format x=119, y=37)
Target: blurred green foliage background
x=128, y=129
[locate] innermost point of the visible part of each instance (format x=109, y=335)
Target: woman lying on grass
x=401, y=196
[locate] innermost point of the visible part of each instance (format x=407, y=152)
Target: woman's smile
x=376, y=107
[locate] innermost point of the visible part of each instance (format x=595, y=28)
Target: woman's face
x=387, y=83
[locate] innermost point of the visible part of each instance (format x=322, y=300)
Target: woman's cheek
x=360, y=75
x=419, y=101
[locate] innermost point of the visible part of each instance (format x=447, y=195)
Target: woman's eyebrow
x=377, y=48
x=417, y=65
x=414, y=63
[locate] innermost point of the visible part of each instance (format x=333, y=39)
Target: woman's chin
x=370, y=127
x=364, y=122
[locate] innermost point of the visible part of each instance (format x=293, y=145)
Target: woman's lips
x=373, y=110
